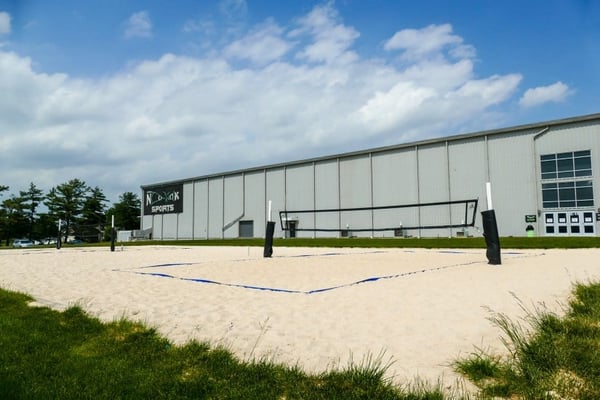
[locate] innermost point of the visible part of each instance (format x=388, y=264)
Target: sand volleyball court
x=318, y=308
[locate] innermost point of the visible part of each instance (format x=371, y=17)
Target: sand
x=417, y=309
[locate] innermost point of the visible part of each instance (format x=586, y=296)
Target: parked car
x=22, y=243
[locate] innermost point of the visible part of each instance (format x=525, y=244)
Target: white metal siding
x=255, y=202
x=215, y=203
x=327, y=195
x=468, y=176
x=513, y=181
x=233, y=205
x=355, y=190
x=201, y=216
x=186, y=218
x=276, y=193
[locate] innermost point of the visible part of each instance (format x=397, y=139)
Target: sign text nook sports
x=163, y=199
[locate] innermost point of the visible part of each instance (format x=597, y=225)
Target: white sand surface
x=318, y=308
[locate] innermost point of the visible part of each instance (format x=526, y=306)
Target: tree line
x=81, y=209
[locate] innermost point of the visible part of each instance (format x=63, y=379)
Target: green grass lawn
x=428, y=243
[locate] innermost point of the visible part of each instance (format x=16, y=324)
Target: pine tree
x=66, y=201
x=31, y=199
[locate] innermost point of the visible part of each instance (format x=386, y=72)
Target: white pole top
x=488, y=193
x=269, y=213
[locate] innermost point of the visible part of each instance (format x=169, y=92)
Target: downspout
x=229, y=225
x=537, y=173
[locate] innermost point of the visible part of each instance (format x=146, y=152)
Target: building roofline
x=442, y=139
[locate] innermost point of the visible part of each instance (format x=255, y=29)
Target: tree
x=127, y=211
x=66, y=201
x=3, y=216
x=31, y=199
x=93, y=217
x=15, y=222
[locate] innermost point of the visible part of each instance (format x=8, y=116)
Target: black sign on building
x=163, y=199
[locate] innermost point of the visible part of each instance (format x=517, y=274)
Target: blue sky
x=121, y=93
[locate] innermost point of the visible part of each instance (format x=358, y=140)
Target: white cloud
x=139, y=25
x=4, y=23
x=330, y=39
x=175, y=116
x=417, y=44
x=555, y=93
x=262, y=46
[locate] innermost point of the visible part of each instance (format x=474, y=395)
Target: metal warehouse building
x=544, y=179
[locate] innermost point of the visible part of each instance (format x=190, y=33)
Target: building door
x=246, y=229
x=569, y=223
x=291, y=228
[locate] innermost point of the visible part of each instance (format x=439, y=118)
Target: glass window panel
x=550, y=204
x=565, y=174
x=562, y=229
x=585, y=193
x=575, y=229
x=583, y=172
x=588, y=217
x=583, y=163
x=549, y=186
x=548, y=166
x=574, y=218
x=568, y=203
x=546, y=157
x=549, y=218
x=566, y=185
x=550, y=195
x=565, y=165
x=550, y=175
x=583, y=183
x=564, y=155
x=549, y=229
x=566, y=194
x=585, y=203
x=582, y=153
x=589, y=228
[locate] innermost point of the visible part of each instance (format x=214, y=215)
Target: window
x=568, y=194
x=566, y=165
x=564, y=180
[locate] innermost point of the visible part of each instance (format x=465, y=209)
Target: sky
x=123, y=93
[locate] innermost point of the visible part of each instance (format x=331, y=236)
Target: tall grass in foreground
x=549, y=357
x=45, y=354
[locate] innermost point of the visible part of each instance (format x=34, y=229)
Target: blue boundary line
x=306, y=292
x=292, y=291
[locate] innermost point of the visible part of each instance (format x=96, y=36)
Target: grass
x=542, y=242
x=46, y=354
x=428, y=243
x=549, y=357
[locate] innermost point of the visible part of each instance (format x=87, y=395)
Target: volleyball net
x=398, y=218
